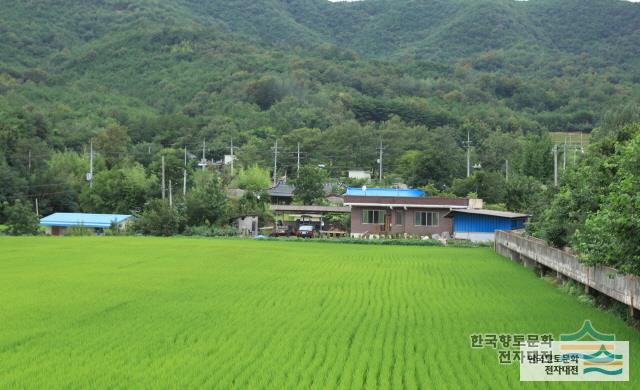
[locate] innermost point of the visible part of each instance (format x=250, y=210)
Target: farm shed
x=481, y=225
x=295, y=215
x=56, y=224
x=247, y=225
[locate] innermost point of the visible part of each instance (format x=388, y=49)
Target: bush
x=21, y=220
x=158, y=219
x=78, y=231
x=211, y=231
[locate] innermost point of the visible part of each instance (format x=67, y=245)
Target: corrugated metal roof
x=493, y=213
x=81, y=219
x=412, y=193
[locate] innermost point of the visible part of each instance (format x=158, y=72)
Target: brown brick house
x=418, y=216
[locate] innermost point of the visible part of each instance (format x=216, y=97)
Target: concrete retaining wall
x=531, y=251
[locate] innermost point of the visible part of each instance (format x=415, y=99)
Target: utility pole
x=91, y=164
x=170, y=195
x=275, y=164
x=298, y=164
x=204, y=158
x=232, y=158
x=564, y=155
x=163, y=187
x=506, y=171
x=468, y=145
x=37, y=210
x=555, y=165
x=29, y=163
x=380, y=160
x=184, y=171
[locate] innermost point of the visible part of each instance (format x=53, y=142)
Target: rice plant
x=137, y=312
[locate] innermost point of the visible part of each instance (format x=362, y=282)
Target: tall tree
x=309, y=186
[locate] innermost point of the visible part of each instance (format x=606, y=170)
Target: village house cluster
x=373, y=213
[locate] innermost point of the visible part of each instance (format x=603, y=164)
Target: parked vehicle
x=281, y=229
x=306, y=231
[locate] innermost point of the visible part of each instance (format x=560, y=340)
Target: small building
x=281, y=193
x=481, y=225
x=359, y=174
x=56, y=224
x=382, y=211
x=247, y=225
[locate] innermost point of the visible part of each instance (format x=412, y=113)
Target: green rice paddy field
x=123, y=312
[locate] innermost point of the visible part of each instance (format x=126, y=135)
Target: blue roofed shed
x=57, y=223
x=481, y=225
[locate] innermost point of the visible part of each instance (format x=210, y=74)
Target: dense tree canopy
x=333, y=84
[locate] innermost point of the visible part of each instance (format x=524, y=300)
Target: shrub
x=21, y=220
x=211, y=231
x=78, y=231
x=159, y=219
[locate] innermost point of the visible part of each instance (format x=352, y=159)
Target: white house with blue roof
x=56, y=224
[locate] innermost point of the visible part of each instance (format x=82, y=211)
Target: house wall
x=408, y=222
x=248, y=225
x=61, y=230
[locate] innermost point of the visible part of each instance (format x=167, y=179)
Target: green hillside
x=337, y=78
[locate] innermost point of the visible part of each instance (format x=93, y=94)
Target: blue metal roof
x=413, y=193
x=80, y=219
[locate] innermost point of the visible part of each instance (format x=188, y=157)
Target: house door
x=387, y=222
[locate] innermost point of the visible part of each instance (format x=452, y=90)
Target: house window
x=373, y=216
x=398, y=218
x=426, y=218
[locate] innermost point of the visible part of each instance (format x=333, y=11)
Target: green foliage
x=440, y=161
x=145, y=79
x=211, y=231
x=489, y=186
x=77, y=231
x=112, y=143
x=610, y=235
x=253, y=179
x=266, y=91
x=309, y=185
x=119, y=190
x=206, y=202
x=20, y=219
x=159, y=219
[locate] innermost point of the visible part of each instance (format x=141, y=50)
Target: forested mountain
x=152, y=76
